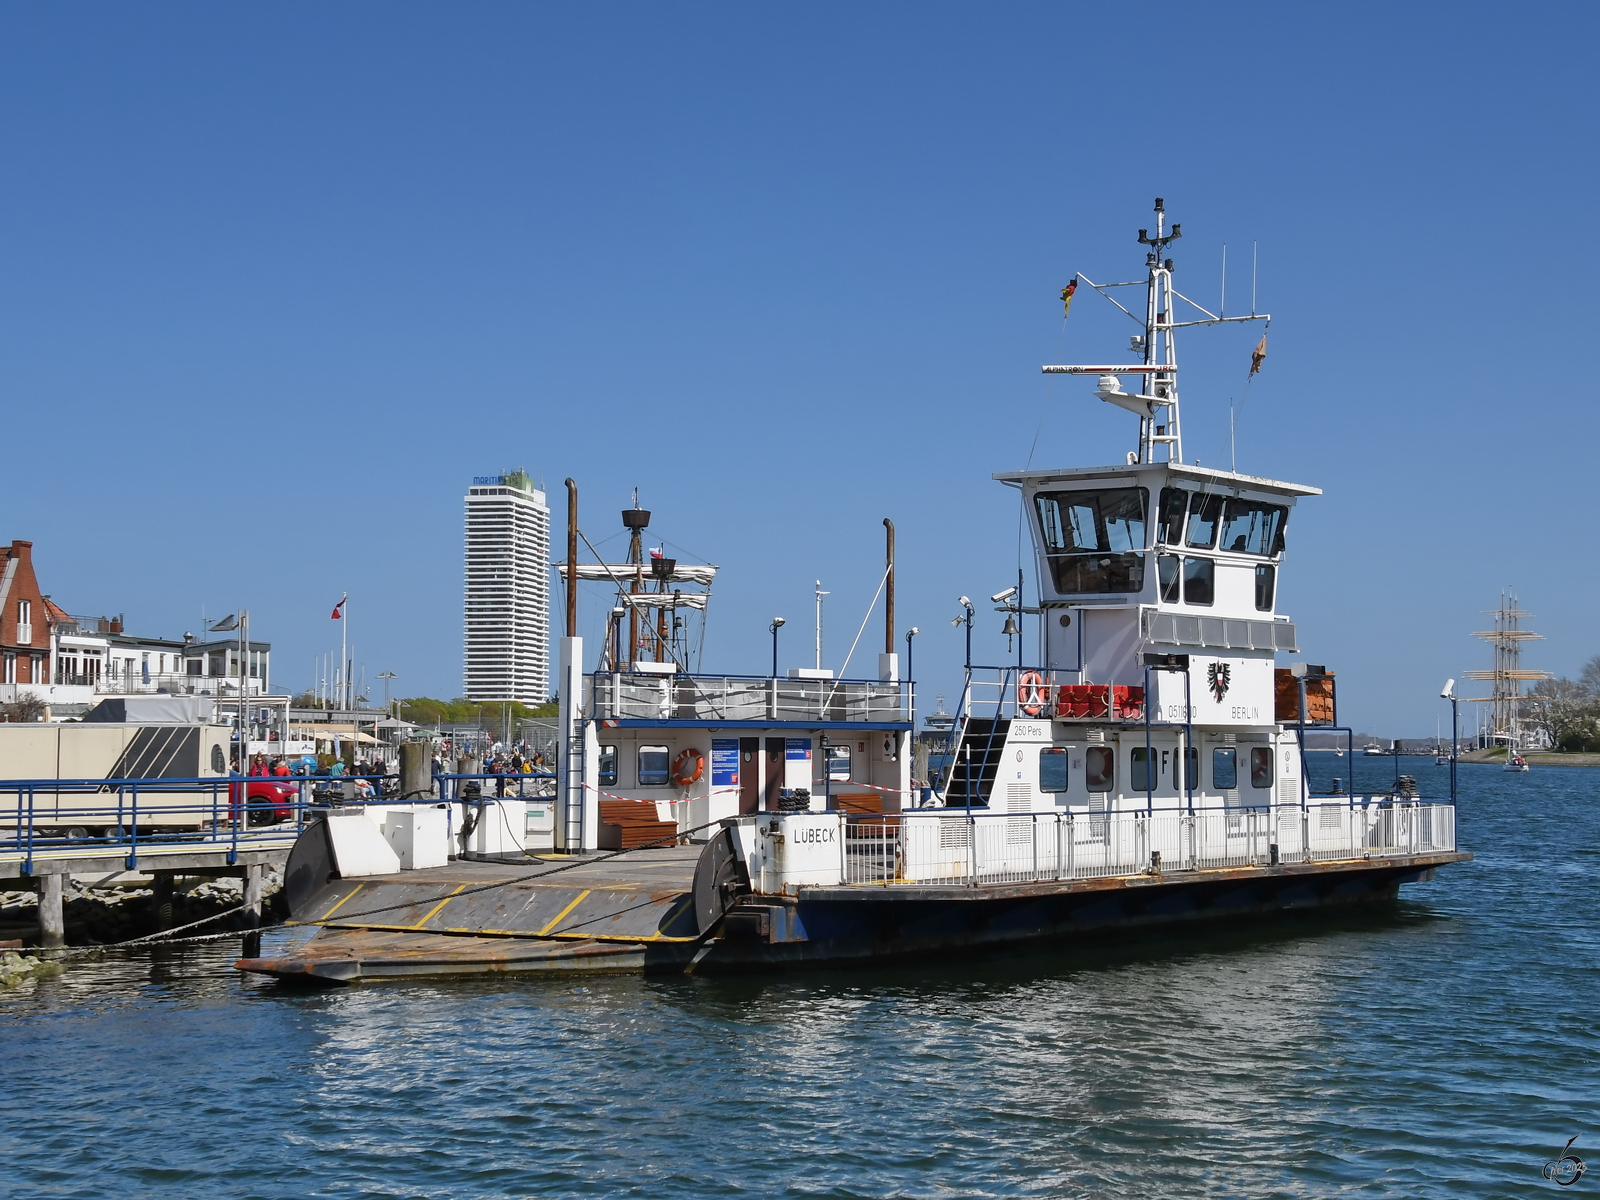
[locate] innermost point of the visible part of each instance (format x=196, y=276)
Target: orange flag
x=1259, y=353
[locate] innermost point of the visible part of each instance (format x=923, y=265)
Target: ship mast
x=1156, y=403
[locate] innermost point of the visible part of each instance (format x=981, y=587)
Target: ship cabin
x=703, y=748
x=1157, y=685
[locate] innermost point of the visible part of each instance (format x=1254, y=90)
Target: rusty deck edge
x=338, y=964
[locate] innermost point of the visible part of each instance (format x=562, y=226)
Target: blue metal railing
x=236, y=812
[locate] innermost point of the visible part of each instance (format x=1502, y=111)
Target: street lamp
x=777, y=624
x=1448, y=692
x=911, y=680
x=967, y=618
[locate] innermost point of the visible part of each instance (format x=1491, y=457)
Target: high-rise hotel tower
x=508, y=590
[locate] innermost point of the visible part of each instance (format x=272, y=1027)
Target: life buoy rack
x=680, y=769
x=1032, y=693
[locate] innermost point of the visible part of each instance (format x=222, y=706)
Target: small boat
x=1372, y=750
x=1516, y=763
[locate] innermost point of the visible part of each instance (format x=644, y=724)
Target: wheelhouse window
x=1099, y=768
x=608, y=766
x=653, y=766
x=1170, y=576
x=1199, y=581
x=1266, y=582
x=1210, y=522
x=1224, y=768
x=1260, y=766
x=1169, y=519
x=1205, y=514
x=1053, y=769
x=1250, y=527
x=1094, y=540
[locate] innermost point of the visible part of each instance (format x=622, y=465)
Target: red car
x=268, y=799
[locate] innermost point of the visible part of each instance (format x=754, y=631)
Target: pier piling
x=161, y=901
x=52, y=925
x=252, y=893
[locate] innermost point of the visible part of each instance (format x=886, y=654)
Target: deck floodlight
x=964, y=602
x=1005, y=595
x=778, y=623
x=1448, y=692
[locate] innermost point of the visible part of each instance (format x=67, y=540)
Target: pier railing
x=646, y=697
x=961, y=847
x=124, y=818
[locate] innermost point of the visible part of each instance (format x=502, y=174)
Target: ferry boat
x=1143, y=767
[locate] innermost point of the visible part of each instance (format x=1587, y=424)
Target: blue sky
x=276, y=281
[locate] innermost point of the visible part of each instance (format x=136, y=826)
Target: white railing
x=624, y=696
x=958, y=847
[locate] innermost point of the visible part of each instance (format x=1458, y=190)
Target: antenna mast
x=1156, y=403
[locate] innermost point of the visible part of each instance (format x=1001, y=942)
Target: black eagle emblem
x=1218, y=676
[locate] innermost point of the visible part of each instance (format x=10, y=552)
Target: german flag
x=1066, y=297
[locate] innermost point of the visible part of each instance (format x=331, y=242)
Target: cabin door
x=749, y=775
x=775, y=772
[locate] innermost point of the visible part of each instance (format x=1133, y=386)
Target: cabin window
x=1191, y=773
x=1139, y=776
x=1260, y=766
x=1093, y=539
x=1167, y=571
x=608, y=766
x=1169, y=519
x=1199, y=581
x=1053, y=769
x=1250, y=527
x=1266, y=583
x=1224, y=768
x=1205, y=514
x=1099, y=768
x=653, y=766
x=839, y=764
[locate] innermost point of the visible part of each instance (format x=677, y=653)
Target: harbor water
x=1444, y=1047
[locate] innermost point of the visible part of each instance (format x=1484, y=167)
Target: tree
x=24, y=708
x=1567, y=712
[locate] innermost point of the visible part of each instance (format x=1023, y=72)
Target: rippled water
x=1444, y=1048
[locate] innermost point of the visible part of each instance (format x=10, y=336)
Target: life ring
x=680, y=775
x=1032, y=694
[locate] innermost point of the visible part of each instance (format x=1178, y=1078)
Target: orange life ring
x=1032, y=694
x=680, y=775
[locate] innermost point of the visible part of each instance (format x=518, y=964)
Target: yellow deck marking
x=336, y=907
x=434, y=911
x=543, y=932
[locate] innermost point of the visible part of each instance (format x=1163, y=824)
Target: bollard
x=52, y=926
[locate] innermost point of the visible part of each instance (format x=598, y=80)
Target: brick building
x=24, y=618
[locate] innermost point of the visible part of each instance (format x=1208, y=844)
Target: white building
x=507, y=590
